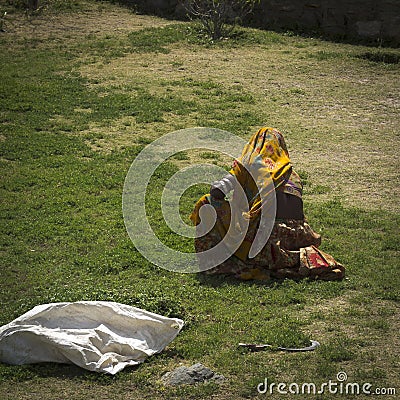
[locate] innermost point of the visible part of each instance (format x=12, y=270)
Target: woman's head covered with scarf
x=264, y=160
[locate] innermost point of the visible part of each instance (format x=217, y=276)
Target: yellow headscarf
x=264, y=158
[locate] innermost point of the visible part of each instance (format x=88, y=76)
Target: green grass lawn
x=78, y=105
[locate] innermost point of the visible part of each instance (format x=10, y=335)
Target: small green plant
x=218, y=17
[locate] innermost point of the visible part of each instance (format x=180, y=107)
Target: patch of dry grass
x=340, y=115
x=99, y=18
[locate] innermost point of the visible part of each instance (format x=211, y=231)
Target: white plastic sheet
x=96, y=335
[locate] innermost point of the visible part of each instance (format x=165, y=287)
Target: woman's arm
x=219, y=189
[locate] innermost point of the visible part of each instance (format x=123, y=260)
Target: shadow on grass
x=221, y=280
x=380, y=56
x=22, y=373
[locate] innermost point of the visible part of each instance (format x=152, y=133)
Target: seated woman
x=291, y=250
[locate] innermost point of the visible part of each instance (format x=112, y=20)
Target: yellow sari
x=291, y=250
x=264, y=166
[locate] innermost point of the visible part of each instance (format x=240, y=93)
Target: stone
x=196, y=373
